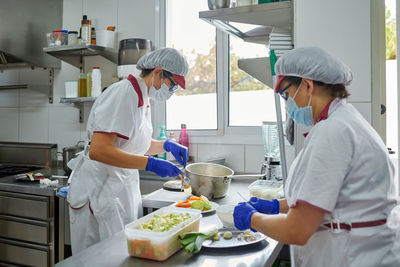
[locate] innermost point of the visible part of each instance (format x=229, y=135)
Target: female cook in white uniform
x=339, y=191
x=104, y=193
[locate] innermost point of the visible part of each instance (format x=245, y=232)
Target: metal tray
x=233, y=242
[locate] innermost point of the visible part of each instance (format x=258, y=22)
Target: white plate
x=206, y=212
x=233, y=242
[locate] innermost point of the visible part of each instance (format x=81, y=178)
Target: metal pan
x=212, y=180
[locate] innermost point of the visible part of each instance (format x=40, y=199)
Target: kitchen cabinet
x=27, y=225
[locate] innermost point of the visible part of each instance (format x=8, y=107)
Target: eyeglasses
x=282, y=92
x=174, y=85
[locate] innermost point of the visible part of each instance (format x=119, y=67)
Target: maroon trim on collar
x=136, y=86
x=323, y=116
x=325, y=112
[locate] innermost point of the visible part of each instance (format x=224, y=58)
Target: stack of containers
x=281, y=43
x=159, y=246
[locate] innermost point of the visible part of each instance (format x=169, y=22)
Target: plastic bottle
x=85, y=30
x=89, y=84
x=172, y=138
x=96, y=82
x=82, y=90
x=183, y=136
x=93, y=36
x=162, y=136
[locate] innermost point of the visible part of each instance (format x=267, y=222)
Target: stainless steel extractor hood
x=23, y=28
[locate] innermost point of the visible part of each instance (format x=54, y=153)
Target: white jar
x=96, y=82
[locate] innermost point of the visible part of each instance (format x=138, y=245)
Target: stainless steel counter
x=113, y=251
x=12, y=185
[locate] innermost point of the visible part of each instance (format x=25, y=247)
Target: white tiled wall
x=27, y=116
x=241, y=158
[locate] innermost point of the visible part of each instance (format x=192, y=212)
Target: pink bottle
x=183, y=136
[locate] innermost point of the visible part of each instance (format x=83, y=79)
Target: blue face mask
x=300, y=115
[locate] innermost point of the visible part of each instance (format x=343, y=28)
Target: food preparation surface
x=28, y=187
x=114, y=251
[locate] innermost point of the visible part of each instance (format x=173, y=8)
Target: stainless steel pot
x=212, y=180
x=70, y=153
x=216, y=4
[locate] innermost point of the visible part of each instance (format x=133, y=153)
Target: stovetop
x=13, y=169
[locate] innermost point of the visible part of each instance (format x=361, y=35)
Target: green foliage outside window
x=390, y=36
x=202, y=76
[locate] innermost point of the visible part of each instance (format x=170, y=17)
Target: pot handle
x=247, y=176
x=226, y=179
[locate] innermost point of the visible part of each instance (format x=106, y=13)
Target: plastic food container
x=105, y=38
x=64, y=37
x=225, y=215
x=57, y=36
x=266, y=189
x=159, y=246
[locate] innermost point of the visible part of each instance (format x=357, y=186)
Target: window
x=250, y=101
x=221, y=101
x=196, y=106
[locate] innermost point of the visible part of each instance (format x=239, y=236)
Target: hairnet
x=315, y=64
x=166, y=58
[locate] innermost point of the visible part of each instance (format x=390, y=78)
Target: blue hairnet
x=315, y=64
x=166, y=58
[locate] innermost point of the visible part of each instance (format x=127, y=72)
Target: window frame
x=224, y=134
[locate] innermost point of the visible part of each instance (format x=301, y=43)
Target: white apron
x=104, y=198
x=344, y=169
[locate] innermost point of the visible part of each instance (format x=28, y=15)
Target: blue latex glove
x=63, y=191
x=178, y=151
x=162, y=167
x=242, y=215
x=265, y=206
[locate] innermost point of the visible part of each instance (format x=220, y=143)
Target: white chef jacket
x=110, y=194
x=344, y=170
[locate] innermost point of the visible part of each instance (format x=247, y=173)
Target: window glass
x=197, y=105
x=250, y=101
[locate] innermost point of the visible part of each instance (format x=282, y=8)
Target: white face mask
x=162, y=94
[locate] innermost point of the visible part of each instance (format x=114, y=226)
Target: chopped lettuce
x=164, y=223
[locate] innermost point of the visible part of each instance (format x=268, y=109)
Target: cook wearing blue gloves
x=162, y=167
x=178, y=151
x=264, y=205
x=242, y=215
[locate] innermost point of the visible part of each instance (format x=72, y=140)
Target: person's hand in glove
x=178, y=151
x=162, y=167
x=242, y=215
x=265, y=206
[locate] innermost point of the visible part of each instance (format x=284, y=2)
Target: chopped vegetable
x=216, y=236
x=228, y=235
x=184, y=204
x=164, y=223
x=194, y=202
x=193, y=241
x=198, y=204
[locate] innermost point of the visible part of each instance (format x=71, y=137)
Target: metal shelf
x=259, y=68
x=73, y=54
x=276, y=16
x=45, y=88
x=79, y=103
x=74, y=100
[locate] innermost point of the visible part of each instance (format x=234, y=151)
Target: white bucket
x=105, y=38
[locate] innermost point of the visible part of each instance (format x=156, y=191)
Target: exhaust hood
x=23, y=28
